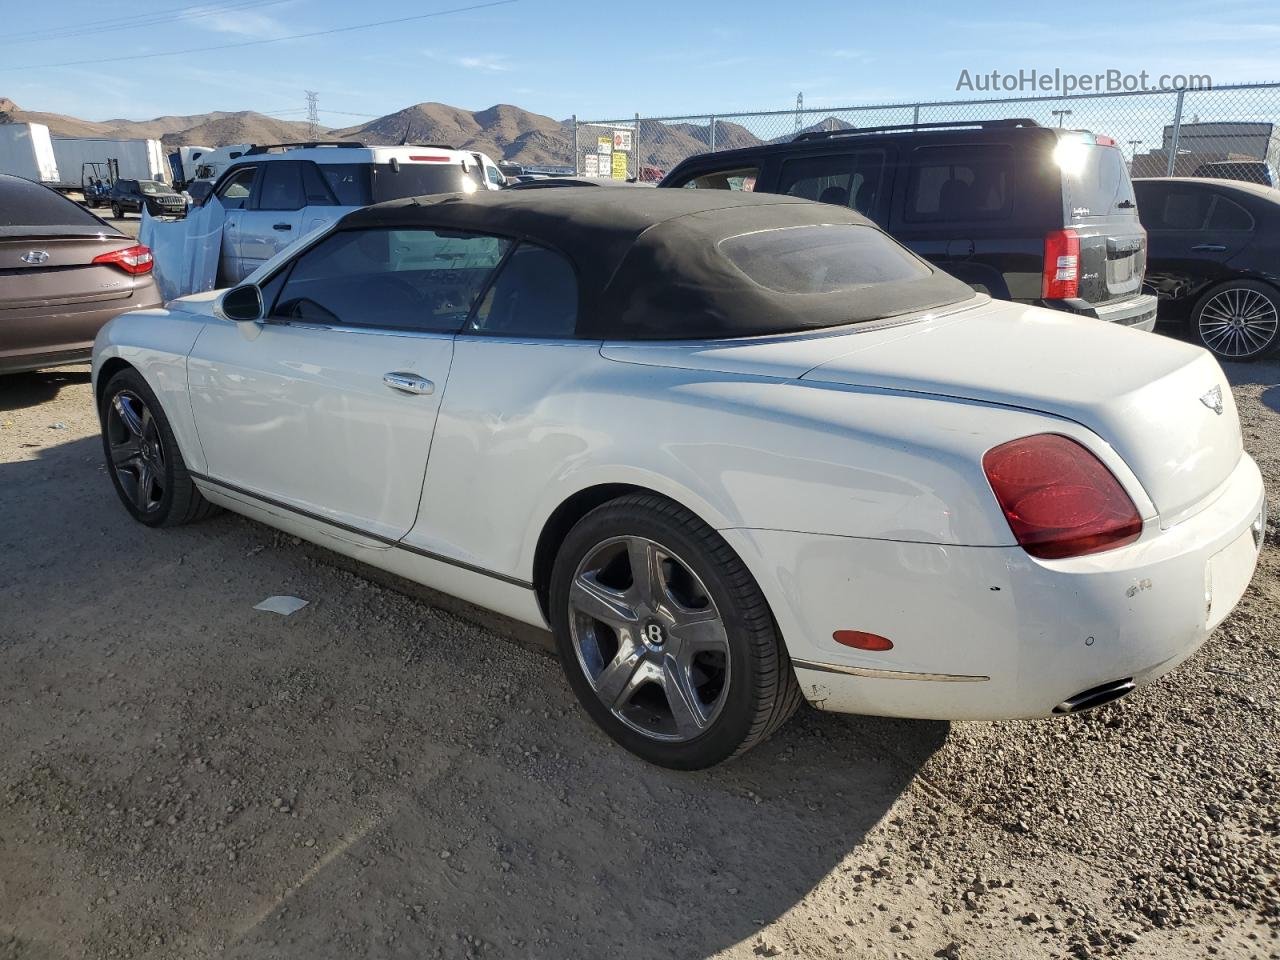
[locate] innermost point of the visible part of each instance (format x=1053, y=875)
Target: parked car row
x=1042, y=216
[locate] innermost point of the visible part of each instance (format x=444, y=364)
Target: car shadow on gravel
x=371, y=776
x=20, y=390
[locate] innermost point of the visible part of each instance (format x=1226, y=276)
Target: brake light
x=1104, y=141
x=429, y=158
x=1060, y=500
x=1061, y=265
x=133, y=260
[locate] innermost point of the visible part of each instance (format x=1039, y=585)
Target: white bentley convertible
x=733, y=450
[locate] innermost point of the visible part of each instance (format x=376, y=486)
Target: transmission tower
x=799, y=110
x=313, y=115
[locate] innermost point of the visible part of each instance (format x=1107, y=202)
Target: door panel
x=301, y=414
x=233, y=193
x=1192, y=233
x=273, y=217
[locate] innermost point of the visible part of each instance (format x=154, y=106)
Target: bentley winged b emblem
x=35, y=257
x=1213, y=399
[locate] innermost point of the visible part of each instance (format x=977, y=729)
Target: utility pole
x=1060, y=114
x=313, y=115
x=1133, y=148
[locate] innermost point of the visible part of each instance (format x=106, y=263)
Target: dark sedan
x=1213, y=259
x=63, y=274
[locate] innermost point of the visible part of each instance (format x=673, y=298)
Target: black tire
x=116, y=212
x=172, y=499
x=761, y=691
x=1252, y=340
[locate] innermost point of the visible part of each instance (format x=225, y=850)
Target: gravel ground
x=387, y=774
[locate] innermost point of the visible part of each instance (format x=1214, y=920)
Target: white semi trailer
x=26, y=150
x=135, y=159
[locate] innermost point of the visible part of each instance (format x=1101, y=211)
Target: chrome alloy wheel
x=1238, y=322
x=649, y=639
x=137, y=454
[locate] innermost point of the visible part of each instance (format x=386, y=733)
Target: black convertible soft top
x=652, y=264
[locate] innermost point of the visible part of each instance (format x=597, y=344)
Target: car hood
x=1140, y=392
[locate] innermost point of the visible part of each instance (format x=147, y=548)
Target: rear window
x=29, y=208
x=415, y=179
x=359, y=184
x=821, y=259
x=962, y=182
x=1095, y=179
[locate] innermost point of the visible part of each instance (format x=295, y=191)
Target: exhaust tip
x=1096, y=696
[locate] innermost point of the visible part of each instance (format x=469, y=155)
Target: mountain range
x=503, y=131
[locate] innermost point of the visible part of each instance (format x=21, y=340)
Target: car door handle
x=1209, y=248
x=282, y=226
x=408, y=383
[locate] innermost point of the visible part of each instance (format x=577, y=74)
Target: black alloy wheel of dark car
x=665, y=637
x=1239, y=320
x=116, y=212
x=142, y=456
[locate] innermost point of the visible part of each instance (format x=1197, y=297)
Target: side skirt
x=497, y=592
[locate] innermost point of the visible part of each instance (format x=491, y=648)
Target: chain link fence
x=1167, y=133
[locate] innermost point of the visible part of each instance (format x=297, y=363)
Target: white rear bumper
x=992, y=633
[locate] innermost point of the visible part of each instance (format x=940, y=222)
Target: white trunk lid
x=1152, y=398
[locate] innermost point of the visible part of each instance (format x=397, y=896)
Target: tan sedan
x=63, y=274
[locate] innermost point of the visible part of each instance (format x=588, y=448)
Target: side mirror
x=243, y=304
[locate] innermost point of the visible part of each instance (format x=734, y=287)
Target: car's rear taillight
x=1061, y=265
x=135, y=260
x=1060, y=500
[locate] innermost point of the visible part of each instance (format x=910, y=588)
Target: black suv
x=1016, y=210
x=128, y=196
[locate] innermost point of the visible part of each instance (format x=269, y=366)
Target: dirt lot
x=184, y=777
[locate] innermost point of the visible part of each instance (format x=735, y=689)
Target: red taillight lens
x=1059, y=499
x=1061, y=265
x=135, y=260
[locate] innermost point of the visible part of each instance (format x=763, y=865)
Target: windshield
x=152, y=186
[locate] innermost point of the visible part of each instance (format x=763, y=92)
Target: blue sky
x=598, y=59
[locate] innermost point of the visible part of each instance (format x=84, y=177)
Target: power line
x=258, y=43
x=181, y=15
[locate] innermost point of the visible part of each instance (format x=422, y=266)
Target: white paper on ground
x=281, y=605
